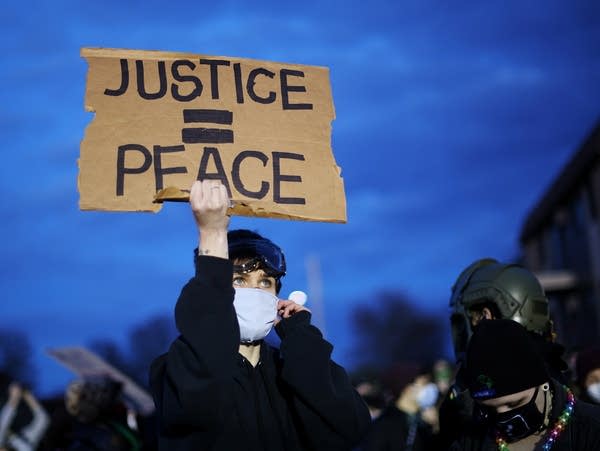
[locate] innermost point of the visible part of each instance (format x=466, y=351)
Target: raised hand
x=209, y=203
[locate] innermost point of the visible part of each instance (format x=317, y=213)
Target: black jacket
x=208, y=397
x=456, y=409
x=395, y=430
x=581, y=434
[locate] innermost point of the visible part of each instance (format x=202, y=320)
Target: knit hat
x=587, y=360
x=502, y=359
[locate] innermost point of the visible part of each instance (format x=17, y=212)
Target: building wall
x=570, y=241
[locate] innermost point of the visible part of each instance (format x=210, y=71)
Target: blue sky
x=452, y=120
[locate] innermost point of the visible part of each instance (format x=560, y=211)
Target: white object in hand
x=299, y=297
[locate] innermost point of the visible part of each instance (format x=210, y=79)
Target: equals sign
x=203, y=134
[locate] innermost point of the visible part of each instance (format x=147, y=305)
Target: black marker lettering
x=285, y=88
x=124, y=81
x=278, y=177
x=237, y=181
x=220, y=174
x=185, y=78
x=122, y=170
x=214, y=74
x=206, y=135
x=162, y=79
x=251, y=82
x=158, y=169
x=237, y=75
x=212, y=116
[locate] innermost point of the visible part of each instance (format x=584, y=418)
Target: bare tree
x=389, y=328
x=147, y=341
x=111, y=352
x=16, y=355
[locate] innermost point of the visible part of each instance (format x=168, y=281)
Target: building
x=560, y=242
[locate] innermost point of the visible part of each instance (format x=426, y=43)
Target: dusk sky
x=452, y=119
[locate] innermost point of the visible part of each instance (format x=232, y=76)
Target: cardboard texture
x=163, y=120
x=86, y=364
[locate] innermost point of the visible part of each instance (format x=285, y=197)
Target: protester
x=370, y=389
x=220, y=386
x=8, y=412
x=587, y=370
x=410, y=421
x=488, y=289
x=520, y=406
x=23, y=420
x=93, y=418
x=442, y=376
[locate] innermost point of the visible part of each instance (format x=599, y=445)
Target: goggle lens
x=261, y=253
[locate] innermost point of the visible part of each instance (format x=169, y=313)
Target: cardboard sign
x=87, y=364
x=166, y=119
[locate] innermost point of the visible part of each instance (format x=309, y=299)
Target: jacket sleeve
x=585, y=426
x=327, y=406
x=192, y=382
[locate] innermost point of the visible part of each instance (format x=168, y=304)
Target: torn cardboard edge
x=240, y=208
x=108, y=52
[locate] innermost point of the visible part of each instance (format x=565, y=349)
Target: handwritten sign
x=163, y=120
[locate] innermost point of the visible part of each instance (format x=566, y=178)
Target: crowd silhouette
x=418, y=397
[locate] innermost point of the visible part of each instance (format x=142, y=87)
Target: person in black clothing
x=371, y=391
x=92, y=418
x=220, y=386
x=402, y=425
x=488, y=289
x=517, y=401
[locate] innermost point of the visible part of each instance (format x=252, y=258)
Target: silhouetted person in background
x=587, y=371
x=93, y=419
x=409, y=422
x=520, y=406
x=442, y=374
x=370, y=388
x=23, y=420
x=220, y=386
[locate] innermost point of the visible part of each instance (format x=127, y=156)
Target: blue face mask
x=256, y=311
x=594, y=392
x=427, y=396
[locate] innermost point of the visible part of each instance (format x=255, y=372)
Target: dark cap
x=502, y=359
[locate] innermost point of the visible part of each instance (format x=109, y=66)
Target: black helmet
x=513, y=290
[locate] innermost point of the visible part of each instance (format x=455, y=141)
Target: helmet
x=512, y=289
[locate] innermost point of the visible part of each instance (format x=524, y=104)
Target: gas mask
x=518, y=423
x=256, y=311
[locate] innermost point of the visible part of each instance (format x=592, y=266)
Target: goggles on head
x=260, y=254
